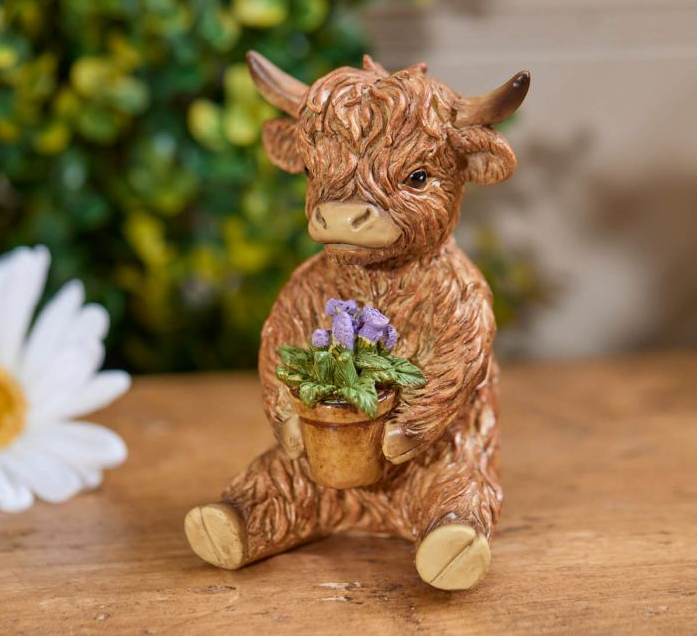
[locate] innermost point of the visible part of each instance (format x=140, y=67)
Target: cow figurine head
x=386, y=155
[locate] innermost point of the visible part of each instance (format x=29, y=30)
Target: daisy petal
x=91, y=477
x=63, y=377
x=49, y=478
x=97, y=393
x=14, y=497
x=82, y=444
x=24, y=277
x=49, y=331
x=91, y=324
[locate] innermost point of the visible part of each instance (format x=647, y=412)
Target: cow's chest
x=418, y=301
x=396, y=292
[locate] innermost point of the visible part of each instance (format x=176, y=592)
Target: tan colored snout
x=353, y=223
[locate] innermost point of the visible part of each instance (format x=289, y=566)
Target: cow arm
x=456, y=365
x=277, y=405
x=294, y=311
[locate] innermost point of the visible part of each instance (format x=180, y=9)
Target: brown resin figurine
x=387, y=157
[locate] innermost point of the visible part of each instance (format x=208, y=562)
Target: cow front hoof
x=217, y=534
x=453, y=557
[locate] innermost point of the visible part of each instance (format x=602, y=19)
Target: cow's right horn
x=495, y=106
x=279, y=88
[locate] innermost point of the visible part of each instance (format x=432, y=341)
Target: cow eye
x=307, y=172
x=418, y=178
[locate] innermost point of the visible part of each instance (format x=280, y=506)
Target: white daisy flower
x=49, y=377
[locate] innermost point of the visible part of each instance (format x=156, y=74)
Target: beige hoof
x=453, y=557
x=217, y=534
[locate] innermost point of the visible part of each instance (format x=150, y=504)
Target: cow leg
x=452, y=502
x=454, y=553
x=270, y=507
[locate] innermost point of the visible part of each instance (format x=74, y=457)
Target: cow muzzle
x=353, y=223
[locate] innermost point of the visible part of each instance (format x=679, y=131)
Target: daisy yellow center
x=13, y=409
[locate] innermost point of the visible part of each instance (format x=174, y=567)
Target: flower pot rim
x=341, y=411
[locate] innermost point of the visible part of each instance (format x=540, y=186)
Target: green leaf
x=261, y=14
x=324, y=367
x=312, y=392
x=407, y=374
x=406, y=380
x=385, y=378
x=366, y=382
x=345, y=373
x=296, y=359
x=373, y=361
x=362, y=398
x=309, y=14
x=404, y=366
x=98, y=124
x=288, y=377
x=129, y=95
x=205, y=121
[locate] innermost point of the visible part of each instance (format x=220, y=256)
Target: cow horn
x=369, y=64
x=493, y=107
x=279, y=88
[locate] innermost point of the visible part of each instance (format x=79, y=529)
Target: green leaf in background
x=52, y=138
x=130, y=146
x=9, y=52
x=220, y=29
x=240, y=124
x=98, y=125
x=128, y=95
x=261, y=14
x=310, y=14
x=91, y=75
x=205, y=120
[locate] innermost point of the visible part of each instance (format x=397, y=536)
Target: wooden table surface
x=598, y=535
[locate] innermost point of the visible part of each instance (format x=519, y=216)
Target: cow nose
x=353, y=223
x=361, y=217
x=319, y=219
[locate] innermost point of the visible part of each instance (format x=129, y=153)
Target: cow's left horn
x=493, y=107
x=279, y=88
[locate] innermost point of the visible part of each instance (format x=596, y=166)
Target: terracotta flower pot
x=343, y=446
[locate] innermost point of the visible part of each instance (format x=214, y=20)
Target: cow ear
x=487, y=156
x=279, y=137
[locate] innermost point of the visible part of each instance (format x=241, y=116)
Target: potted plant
x=343, y=387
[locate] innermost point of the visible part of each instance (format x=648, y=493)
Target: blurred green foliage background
x=130, y=146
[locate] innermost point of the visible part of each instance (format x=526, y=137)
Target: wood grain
x=598, y=533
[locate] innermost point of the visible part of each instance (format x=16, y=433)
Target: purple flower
x=370, y=333
x=372, y=324
x=389, y=337
x=342, y=328
x=371, y=316
x=335, y=305
x=320, y=338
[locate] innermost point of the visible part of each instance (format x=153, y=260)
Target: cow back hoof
x=453, y=557
x=217, y=534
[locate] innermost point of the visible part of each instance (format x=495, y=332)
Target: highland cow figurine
x=387, y=157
